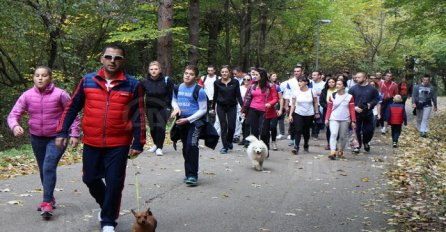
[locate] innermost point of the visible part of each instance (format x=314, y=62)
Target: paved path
x=307, y=192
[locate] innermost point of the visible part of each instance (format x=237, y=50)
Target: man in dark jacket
x=114, y=129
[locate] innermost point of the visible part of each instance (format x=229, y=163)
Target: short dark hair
x=237, y=69
x=48, y=69
x=303, y=78
x=426, y=76
x=115, y=46
x=212, y=66
x=193, y=68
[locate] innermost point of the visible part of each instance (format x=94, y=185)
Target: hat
x=397, y=98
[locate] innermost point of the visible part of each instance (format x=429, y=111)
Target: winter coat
x=272, y=98
x=44, y=109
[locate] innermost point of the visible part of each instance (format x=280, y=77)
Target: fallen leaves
x=417, y=178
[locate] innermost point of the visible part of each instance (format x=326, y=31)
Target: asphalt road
x=307, y=192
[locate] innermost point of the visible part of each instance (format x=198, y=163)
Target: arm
x=138, y=119
x=238, y=95
x=170, y=86
x=374, y=99
x=16, y=114
x=274, y=96
x=75, y=127
x=316, y=104
x=174, y=104
x=292, y=107
x=351, y=109
x=248, y=98
x=329, y=110
x=71, y=111
x=214, y=102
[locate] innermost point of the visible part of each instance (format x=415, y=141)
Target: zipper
x=104, y=127
x=41, y=114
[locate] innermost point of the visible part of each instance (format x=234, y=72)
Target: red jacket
x=113, y=117
x=272, y=98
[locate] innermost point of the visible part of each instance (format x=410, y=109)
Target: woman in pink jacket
x=44, y=103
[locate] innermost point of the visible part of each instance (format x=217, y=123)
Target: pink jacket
x=44, y=109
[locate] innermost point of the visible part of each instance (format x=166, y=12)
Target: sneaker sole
x=46, y=215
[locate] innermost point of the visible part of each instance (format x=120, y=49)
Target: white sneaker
x=159, y=152
x=108, y=229
x=280, y=136
x=288, y=137
x=99, y=216
x=152, y=148
x=383, y=130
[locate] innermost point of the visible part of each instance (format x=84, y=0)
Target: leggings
x=227, y=118
x=302, y=125
x=259, y=125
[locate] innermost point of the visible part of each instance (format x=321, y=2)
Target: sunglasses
x=246, y=79
x=113, y=57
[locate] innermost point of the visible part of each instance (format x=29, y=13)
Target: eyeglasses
x=246, y=79
x=113, y=57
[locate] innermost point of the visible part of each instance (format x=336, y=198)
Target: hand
x=357, y=109
x=175, y=112
x=134, y=153
x=18, y=131
x=74, y=141
x=317, y=115
x=212, y=113
x=267, y=105
x=279, y=113
x=326, y=122
x=61, y=142
x=354, y=125
x=434, y=109
x=378, y=116
x=243, y=115
x=414, y=105
x=290, y=118
x=182, y=121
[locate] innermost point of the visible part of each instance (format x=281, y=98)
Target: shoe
x=280, y=136
x=332, y=155
x=159, y=152
x=394, y=145
x=383, y=130
x=192, y=181
x=327, y=147
x=223, y=151
x=230, y=146
x=423, y=134
x=152, y=149
x=295, y=151
x=236, y=140
x=274, y=146
x=340, y=154
x=306, y=148
x=53, y=203
x=356, y=150
x=316, y=138
x=291, y=143
x=288, y=137
x=47, y=210
x=366, y=147
x=108, y=229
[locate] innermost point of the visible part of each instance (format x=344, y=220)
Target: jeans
x=396, y=132
x=227, y=118
x=157, y=119
x=47, y=156
x=108, y=163
x=423, y=116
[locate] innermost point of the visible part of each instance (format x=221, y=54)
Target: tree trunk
x=262, y=33
x=245, y=33
x=227, y=33
x=194, y=30
x=213, y=25
x=164, y=46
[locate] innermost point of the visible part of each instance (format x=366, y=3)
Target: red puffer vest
x=396, y=114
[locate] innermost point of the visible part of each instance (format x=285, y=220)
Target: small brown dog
x=145, y=221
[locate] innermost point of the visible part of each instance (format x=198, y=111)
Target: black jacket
x=227, y=94
x=158, y=92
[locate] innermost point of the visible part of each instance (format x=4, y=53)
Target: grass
x=24, y=151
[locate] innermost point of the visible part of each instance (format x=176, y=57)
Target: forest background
x=403, y=36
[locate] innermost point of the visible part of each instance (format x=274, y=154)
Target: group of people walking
x=238, y=104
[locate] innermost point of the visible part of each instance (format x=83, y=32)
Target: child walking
x=395, y=116
x=44, y=103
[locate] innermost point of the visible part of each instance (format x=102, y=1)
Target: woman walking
x=326, y=93
x=158, y=90
x=226, y=106
x=259, y=102
x=279, y=111
x=245, y=122
x=340, y=114
x=304, y=108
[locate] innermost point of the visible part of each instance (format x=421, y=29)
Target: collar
x=120, y=76
x=48, y=89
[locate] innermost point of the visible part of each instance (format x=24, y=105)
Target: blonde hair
x=155, y=63
x=397, y=98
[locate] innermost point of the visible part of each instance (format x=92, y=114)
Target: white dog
x=257, y=152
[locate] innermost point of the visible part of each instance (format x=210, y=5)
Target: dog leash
x=136, y=185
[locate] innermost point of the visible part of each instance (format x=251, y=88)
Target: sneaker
x=47, y=210
x=223, y=151
x=356, y=150
x=306, y=149
x=288, y=137
x=99, y=216
x=159, y=152
x=53, y=203
x=152, y=149
x=108, y=229
x=383, y=131
x=280, y=136
x=236, y=140
x=394, y=145
x=291, y=143
x=185, y=179
x=366, y=147
x=192, y=181
x=230, y=146
x=295, y=150
x=423, y=134
x=274, y=146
